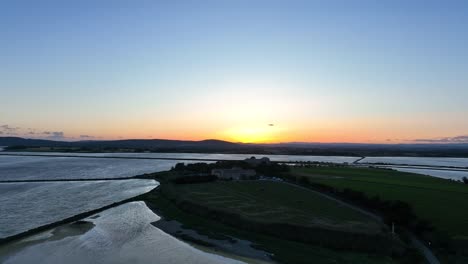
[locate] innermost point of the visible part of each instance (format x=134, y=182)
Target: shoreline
x=68, y=220
x=219, y=244
x=102, y=226
x=358, y=162
x=228, y=245
x=236, y=248
x=77, y=225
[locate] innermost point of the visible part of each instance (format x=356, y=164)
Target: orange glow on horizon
x=255, y=128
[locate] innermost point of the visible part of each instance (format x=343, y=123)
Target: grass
x=266, y=201
x=284, y=251
x=444, y=203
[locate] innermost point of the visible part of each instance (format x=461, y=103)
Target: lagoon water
x=24, y=206
x=49, y=168
x=423, y=161
x=445, y=174
x=42, y=168
x=123, y=234
x=335, y=159
x=422, y=165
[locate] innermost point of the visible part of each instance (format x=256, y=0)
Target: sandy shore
x=232, y=247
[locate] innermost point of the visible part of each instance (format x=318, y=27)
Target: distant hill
x=219, y=146
x=17, y=141
x=127, y=143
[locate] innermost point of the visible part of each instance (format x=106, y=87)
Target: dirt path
x=370, y=214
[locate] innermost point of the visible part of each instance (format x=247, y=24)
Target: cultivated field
x=276, y=202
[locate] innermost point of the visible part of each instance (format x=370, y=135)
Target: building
x=255, y=162
x=233, y=174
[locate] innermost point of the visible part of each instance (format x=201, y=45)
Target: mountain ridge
x=220, y=146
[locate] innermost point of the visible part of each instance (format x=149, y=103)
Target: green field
x=444, y=203
x=267, y=194
x=277, y=202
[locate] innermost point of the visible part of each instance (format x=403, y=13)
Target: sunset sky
x=243, y=70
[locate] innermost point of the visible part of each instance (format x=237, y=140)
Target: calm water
x=123, y=234
x=28, y=168
x=455, y=162
x=28, y=205
x=425, y=161
x=120, y=235
x=445, y=174
x=335, y=159
x=41, y=168
x=24, y=206
x=22, y=168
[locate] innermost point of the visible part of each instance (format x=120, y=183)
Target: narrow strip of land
x=36, y=230
x=419, y=167
x=138, y=158
x=358, y=160
x=68, y=180
x=416, y=166
x=107, y=157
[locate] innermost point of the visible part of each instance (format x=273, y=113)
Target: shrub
x=194, y=179
x=465, y=180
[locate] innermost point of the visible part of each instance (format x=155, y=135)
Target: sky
x=243, y=70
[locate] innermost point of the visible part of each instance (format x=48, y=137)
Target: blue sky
x=357, y=71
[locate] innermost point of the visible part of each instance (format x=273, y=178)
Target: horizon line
x=408, y=142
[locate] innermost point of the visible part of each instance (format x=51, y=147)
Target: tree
x=304, y=180
x=465, y=180
x=179, y=166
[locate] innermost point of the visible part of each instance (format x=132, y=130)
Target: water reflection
x=123, y=234
x=24, y=206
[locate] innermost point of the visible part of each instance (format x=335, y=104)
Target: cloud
x=54, y=134
x=456, y=139
x=57, y=134
x=9, y=130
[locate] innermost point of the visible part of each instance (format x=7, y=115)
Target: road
x=430, y=257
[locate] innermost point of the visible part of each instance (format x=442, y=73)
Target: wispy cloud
x=9, y=130
x=86, y=137
x=456, y=139
x=54, y=134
